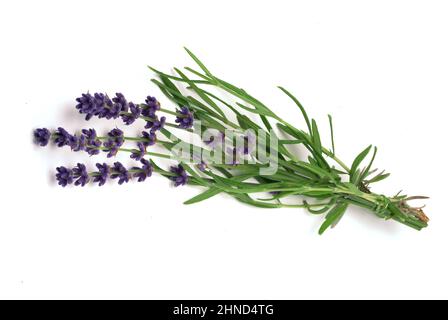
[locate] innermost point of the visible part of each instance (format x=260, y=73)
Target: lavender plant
x=239, y=156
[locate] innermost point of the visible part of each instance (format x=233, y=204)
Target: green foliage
x=314, y=177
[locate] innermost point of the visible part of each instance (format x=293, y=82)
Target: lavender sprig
x=323, y=176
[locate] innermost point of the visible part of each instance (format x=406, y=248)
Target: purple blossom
x=102, y=174
x=120, y=172
x=144, y=172
x=64, y=176
x=129, y=118
x=63, y=138
x=80, y=173
x=92, y=143
x=185, y=119
x=150, y=138
x=120, y=100
x=156, y=125
x=42, y=136
x=151, y=107
x=140, y=153
x=181, y=177
x=115, y=140
x=86, y=105
x=80, y=143
x=111, y=112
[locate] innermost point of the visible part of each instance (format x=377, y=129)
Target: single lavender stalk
x=323, y=176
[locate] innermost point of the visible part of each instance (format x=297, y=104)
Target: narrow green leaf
x=316, y=137
x=330, y=120
x=335, y=214
x=302, y=109
x=378, y=178
x=359, y=159
x=366, y=170
x=198, y=62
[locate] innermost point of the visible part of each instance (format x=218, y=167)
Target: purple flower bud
x=86, y=105
x=156, y=124
x=185, y=119
x=42, y=136
x=144, y=172
x=150, y=138
x=80, y=173
x=181, y=177
x=64, y=176
x=92, y=143
x=121, y=100
x=120, y=172
x=79, y=143
x=134, y=114
x=117, y=136
x=63, y=138
x=140, y=153
x=115, y=140
x=102, y=174
x=152, y=105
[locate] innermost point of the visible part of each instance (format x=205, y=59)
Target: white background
x=379, y=67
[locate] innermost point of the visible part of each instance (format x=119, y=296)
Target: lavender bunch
x=238, y=156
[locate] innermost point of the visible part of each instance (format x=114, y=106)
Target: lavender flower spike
x=102, y=174
x=140, y=153
x=151, y=107
x=150, y=138
x=185, y=119
x=135, y=111
x=144, y=172
x=42, y=136
x=64, y=176
x=80, y=173
x=115, y=141
x=92, y=142
x=181, y=177
x=120, y=172
x=63, y=138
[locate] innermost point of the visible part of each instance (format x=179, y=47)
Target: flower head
x=120, y=172
x=115, y=140
x=185, y=118
x=129, y=118
x=63, y=138
x=144, y=172
x=102, y=174
x=150, y=138
x=120, y=100
x=80, y=143
x=92, y=142
x=80, y=173
x=151, y=107
x=140, y=153
x=156, y=125
x=181, y=177
x=86, y=105
x=42, y=136
x=64, y=176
